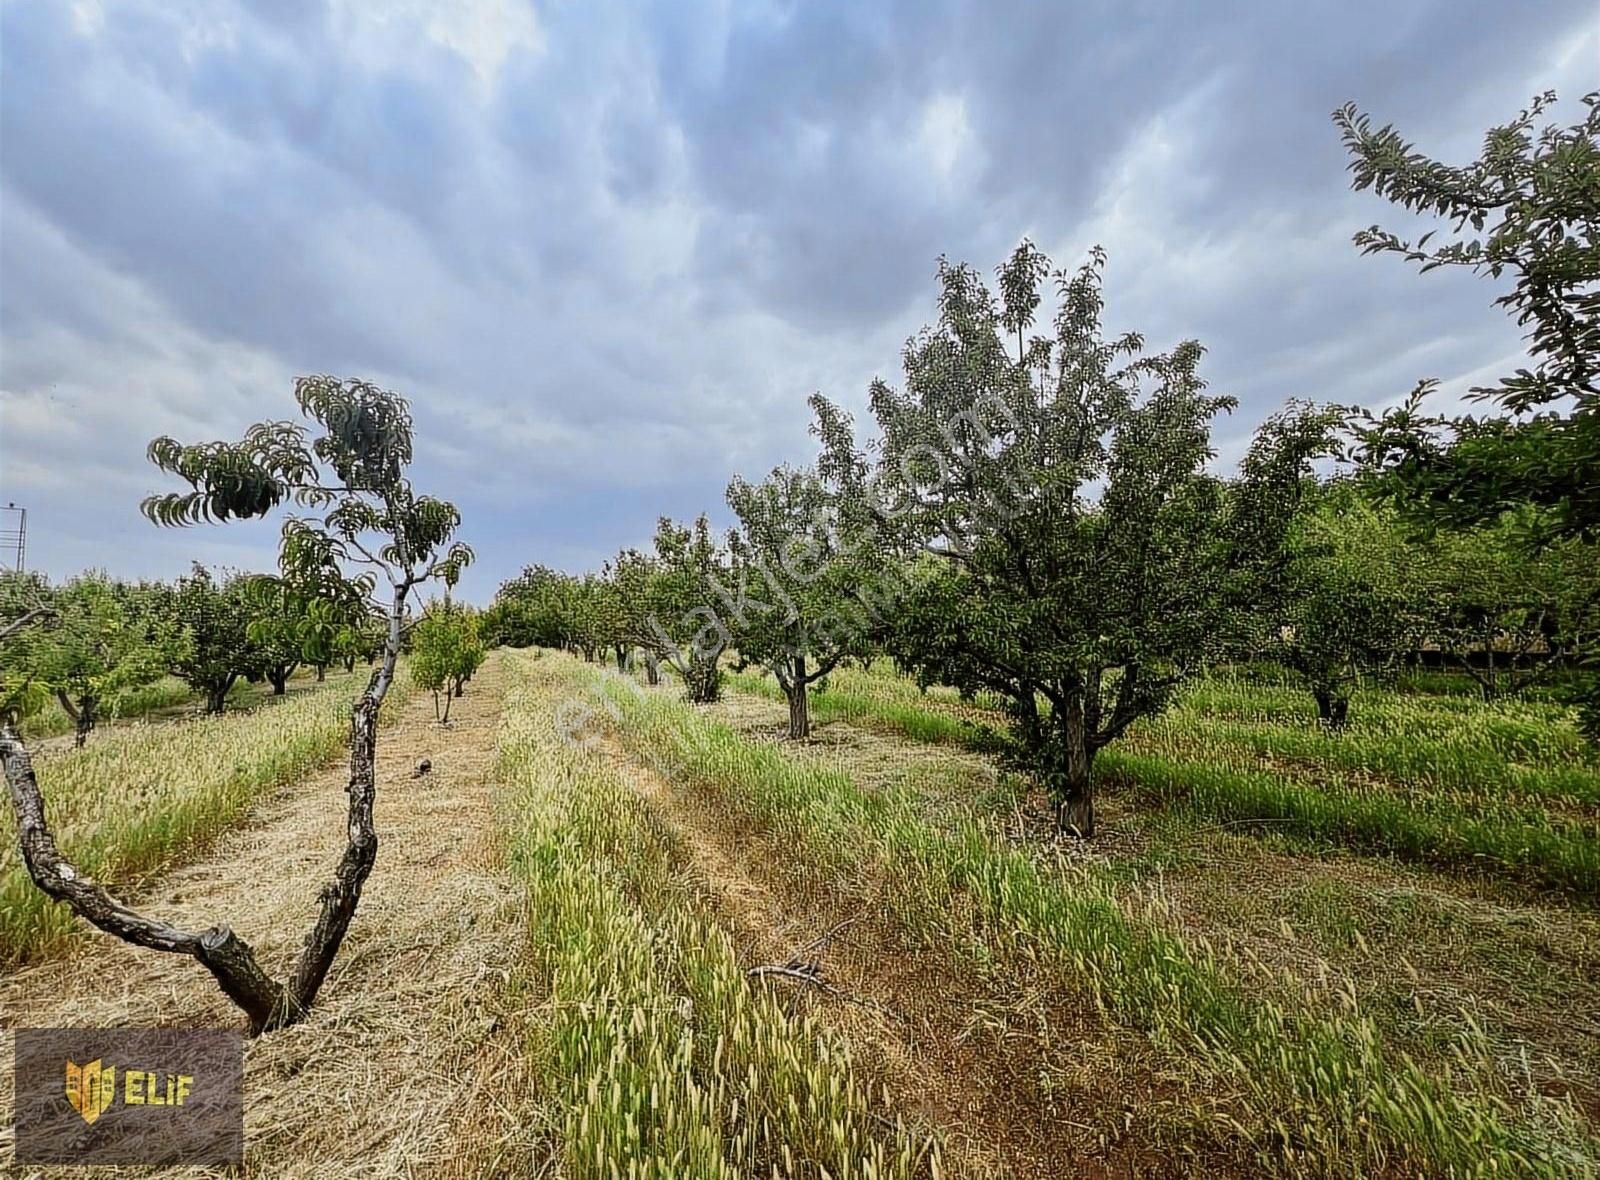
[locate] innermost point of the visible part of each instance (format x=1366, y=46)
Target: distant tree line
x=101, y=636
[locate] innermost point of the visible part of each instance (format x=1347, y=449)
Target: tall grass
x=841, y=704
x=1448, y=782
x=1318, y=1088
x=662, y=1057
x=1516, y=843
x=166, y=693
x=139, y=799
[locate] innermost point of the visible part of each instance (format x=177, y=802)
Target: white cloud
x=88, y=17
x=483, y=32
x=945, y=136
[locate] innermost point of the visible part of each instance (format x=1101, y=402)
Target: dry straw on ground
x=376, y=1082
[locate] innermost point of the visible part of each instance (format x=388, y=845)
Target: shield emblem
x=90, y=1088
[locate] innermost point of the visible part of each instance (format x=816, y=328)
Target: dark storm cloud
x=608, y=249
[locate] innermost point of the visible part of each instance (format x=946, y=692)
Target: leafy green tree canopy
x=213, y=619
x=1086, y=551
x=694, y=565
x=799, y=569
x=446, y=649
x=1527, y=208
x=1353, y=596
x=103, y=638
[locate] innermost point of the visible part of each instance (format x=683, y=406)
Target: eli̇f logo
x=92, y=1088
x=166, y=1096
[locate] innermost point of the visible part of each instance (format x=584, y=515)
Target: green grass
x=1516, y=843
x=841, y=704
x=167, y=693
x=660, y=1059
x=166, y=696
x=141, y=798
x=1318, y=1088
x=1451, y=782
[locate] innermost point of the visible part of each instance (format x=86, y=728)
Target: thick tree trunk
x=217, y=696
x=795, y=690
x=622, y=659
x=702, y=682
x=1333, y=707
x=322, y=673
x=1074, y=788
x=652, y=668
x=84, y=722
x=279, y=678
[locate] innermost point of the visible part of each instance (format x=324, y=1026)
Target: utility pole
x=13, y=538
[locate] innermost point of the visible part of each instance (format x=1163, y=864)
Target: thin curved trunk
x=267, y=1003
x=67, y=706
x=361, y=840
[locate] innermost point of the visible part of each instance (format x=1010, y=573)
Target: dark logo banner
x=129, y=1096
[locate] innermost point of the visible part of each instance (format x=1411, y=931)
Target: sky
x=608, y=250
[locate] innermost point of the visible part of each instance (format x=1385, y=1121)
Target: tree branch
x=37, y=614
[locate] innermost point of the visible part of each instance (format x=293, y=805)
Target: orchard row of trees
x=1037, y=517
x=100, y=637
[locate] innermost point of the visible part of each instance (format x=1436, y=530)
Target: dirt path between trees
x=393, y=1058
x=964, y=1058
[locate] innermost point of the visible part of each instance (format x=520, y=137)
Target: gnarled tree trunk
x=652, y=668
x=218, y=949
x=217, y=695
x=702, y=681
x=266, y=1003
x=1333, y=707
x=794, y=688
